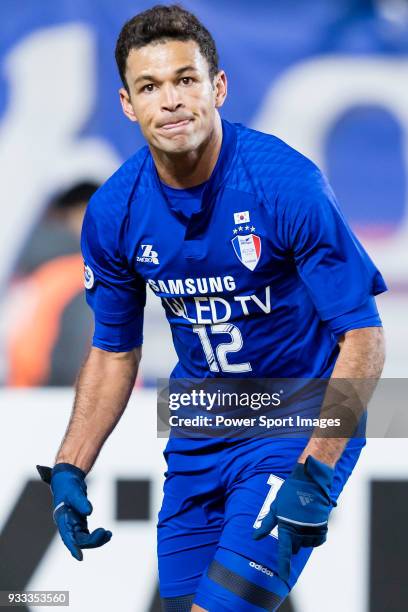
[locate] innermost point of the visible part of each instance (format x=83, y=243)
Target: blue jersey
x=257, y=275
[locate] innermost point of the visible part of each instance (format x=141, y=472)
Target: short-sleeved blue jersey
x=251, y=283
x=258, y=282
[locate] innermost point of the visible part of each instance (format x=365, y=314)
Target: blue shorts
x=212, y=499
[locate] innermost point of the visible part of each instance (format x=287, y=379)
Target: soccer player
x=259, y=275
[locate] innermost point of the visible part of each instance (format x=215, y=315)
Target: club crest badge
x=248, y=250
x=89, y=277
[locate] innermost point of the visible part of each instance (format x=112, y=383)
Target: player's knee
x=182, y=603
x=233, y=582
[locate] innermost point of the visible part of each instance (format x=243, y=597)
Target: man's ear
x=127, y=105
x=220, y=88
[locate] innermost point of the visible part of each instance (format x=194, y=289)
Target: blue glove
x=301, y=510
x=71, y=507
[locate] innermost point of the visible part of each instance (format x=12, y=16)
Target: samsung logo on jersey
x=192, y=286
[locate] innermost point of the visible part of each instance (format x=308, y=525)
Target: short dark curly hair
x=161, y=23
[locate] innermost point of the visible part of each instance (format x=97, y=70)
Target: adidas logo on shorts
x=260, y=568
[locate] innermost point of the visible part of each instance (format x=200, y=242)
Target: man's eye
x=149, y=87
x=187, y=80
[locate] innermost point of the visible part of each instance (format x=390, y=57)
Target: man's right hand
x=71, y=508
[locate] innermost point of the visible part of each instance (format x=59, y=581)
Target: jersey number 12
x=219, y=362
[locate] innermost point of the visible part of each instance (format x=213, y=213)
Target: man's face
x=171, y=95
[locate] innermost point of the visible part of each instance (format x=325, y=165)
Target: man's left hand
x=301, y=510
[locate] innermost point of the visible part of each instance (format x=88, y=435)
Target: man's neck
x=192, y=168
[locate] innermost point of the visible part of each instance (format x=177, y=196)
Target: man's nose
x=170, y=100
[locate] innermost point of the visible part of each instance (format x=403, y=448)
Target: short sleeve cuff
x=365, y=315
x=118, y=338
x=353, y=301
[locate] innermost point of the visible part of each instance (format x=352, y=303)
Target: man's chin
x=176, y=145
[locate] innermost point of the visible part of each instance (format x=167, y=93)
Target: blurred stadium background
x=329, y=77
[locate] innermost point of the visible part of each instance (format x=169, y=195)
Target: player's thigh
x=189, y=528
x=250, y=498
x=243, y=576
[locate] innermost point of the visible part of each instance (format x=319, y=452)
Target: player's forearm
x=361, y=360
x=103, y=389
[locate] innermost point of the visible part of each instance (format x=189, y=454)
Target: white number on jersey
x=275, y=483
x=220, y=362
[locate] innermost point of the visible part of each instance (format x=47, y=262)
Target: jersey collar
x=216, y=180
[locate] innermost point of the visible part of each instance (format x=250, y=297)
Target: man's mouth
x=174, y=125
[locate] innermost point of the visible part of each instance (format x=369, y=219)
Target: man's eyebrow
x=149, y=77
x=143, y=77
x=184, y=68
